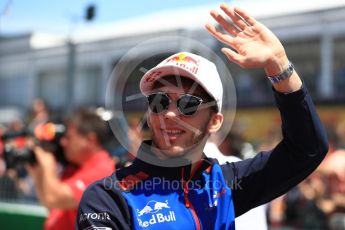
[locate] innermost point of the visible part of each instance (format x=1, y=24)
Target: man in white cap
x=172, y=184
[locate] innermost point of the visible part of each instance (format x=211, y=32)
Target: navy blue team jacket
x=147, y=196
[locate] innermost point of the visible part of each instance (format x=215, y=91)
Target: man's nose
x=171, y=114
x=172, y=110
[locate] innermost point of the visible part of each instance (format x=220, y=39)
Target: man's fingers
x=233, y=56
x=224, y=38
x=225, y=24
x=38, y=150
x=249, y=19
x=234, y=17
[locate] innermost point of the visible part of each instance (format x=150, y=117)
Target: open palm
x=254, y=45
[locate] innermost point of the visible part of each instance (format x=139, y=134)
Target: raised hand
x=255, y=46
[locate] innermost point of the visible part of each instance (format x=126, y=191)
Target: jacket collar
x=173, y=168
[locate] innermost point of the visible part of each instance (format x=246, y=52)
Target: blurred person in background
x=332, y=173
x=319, y=201
x=14, y=175
x=39, y=114
x=297, y=209
x=88, y=161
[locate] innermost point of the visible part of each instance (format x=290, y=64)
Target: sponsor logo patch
x=155, y=212
x=94, y=216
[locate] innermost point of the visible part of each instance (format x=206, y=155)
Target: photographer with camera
x=88, y=161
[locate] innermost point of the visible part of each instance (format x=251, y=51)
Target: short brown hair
x=86, y=122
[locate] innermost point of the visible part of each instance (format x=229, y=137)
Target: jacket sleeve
x=270, y=174
x=103, y=207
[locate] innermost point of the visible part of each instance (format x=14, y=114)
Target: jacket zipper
x=186, y=199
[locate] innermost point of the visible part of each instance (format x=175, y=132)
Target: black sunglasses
x=186, y=104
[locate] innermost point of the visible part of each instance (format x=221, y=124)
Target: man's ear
x=215, y=122
x=91, y=136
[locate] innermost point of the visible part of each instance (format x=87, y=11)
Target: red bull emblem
x=152, y=207
x=155, y=212
x=186, y=62
x=182, y=57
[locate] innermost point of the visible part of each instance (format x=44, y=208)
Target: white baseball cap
x=188, y=65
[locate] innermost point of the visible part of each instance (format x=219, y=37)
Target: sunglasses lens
x=158, y=102
x=188, y=104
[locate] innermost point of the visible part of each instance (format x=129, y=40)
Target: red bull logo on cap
x=182, y=57
x=186, y=62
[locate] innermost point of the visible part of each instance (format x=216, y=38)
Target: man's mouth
x=172, y=134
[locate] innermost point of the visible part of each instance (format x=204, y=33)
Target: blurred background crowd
x=44, y=77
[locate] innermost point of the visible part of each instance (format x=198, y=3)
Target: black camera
x=47, y=135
